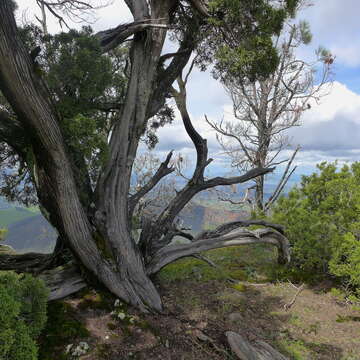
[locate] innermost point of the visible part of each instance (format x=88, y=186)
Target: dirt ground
x=198, y=312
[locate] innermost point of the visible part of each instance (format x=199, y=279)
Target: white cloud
x=330, y=130
x=339, y=100
x=335, y=25
x=106, y=17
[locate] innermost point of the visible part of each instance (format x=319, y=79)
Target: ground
x=201, y=304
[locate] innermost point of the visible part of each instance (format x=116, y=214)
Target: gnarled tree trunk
x=96, y=227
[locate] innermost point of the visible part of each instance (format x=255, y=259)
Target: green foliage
x=322, y=220
x=305, y=33
x=3, y=233
x=256, y=59
x=243, y=263
x=62, y=329
x=297, y=349
x=87, y=88
x=240, y=39
x=22, y=317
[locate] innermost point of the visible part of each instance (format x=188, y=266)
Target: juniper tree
x=77, y=148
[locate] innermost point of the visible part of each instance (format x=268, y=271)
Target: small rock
x=68, y=348
x=201, y=325
x=235, y=317
x=201, y=336
x=81, y=349
x=256, y=350
x=121, y=316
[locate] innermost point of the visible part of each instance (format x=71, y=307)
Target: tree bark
x=96, y=226
x=123, y=272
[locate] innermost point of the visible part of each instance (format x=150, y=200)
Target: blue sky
x=329, y=131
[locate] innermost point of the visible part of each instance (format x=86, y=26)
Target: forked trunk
x=98, y=232
x=122, y=270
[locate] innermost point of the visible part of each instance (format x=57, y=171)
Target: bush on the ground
x=22, y=316
x=322, y=220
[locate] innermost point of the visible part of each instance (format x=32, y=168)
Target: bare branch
x=200, y=7
x=167, y=76
x=289, y=305
x=227, y=227
x=73, y=10
x=266, y=108
x=110, y=39
x=237, y=237
x=163, y=171
x=251, y=174
x=283, y=181
x=196, y=184
x=242, y=201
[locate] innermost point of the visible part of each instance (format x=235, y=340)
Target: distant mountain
x=13, y=214
x=199, y=217
x=28, y=231
x=33, y=234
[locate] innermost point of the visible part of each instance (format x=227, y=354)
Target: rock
x=79, y=350
x=7, y=249
x=257, y=350
x=121, y=315
x=201, y=336
x=235, y=317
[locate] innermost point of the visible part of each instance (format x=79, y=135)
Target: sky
x=330, y=130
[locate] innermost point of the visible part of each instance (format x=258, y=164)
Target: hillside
x=32, y=234
x=12, y=214
x=28, y=231
x=201, y=305
x=207, y=215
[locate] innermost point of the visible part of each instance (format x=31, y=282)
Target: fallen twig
x=292, y=302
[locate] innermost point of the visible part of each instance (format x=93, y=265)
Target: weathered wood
x=30, y=262
x=256, y=350
x=63, y=281
x=236, y=237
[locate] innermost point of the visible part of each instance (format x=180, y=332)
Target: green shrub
x=3, y=233
x=22, y=316
x=322, y=220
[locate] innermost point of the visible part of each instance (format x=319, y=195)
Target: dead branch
x=288, y=306
x=283, y=181
x=236, y=237
x=163, y=171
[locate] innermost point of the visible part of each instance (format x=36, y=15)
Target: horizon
x=324, y=133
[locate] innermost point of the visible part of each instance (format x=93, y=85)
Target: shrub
x=322, y=220
x=22, y=316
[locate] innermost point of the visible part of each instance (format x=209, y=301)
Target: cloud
x=174, y=136
x=333, y=137
x=106, y=17
x=335, y=25
x=331, y=130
